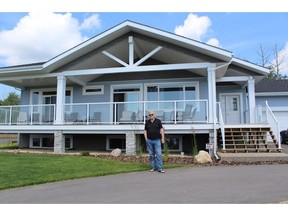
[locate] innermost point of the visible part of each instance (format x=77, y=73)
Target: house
x=274, y=93
x=95, y=96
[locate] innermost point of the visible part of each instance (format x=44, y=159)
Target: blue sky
x=39, y=36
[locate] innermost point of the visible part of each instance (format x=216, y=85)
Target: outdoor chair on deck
x=140, y=116
x=191, y=116
x=22, y=118
x=182, y=115
x=127, y=116
x=96, y=118
x=73, y=117
x=186, y=113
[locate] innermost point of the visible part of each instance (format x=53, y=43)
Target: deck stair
x=248, y=138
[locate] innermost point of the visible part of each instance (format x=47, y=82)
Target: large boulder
x=116, y=152
x=203, y=157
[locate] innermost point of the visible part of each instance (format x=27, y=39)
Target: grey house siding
x=273, y=101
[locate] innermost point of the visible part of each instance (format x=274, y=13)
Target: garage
x=281, y=115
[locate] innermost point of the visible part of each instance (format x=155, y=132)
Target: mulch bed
x=186, y=160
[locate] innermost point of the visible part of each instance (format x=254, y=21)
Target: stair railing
x=264, y=114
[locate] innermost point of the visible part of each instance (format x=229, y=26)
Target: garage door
x=282, y=118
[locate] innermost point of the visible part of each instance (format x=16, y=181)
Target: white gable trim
x=250, y=66
x=138, y=69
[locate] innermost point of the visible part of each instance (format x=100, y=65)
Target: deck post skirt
x=130, y=143
x=59, y=142
x=251, y=97
x=211, y=94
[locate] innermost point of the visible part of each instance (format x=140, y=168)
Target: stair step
x=249, y=139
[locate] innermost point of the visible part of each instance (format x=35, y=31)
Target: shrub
x=85, y=153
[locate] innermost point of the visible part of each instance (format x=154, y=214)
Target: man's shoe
x=161, y=171
x=152, y=170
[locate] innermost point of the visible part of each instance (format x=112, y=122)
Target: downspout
x=217, y=157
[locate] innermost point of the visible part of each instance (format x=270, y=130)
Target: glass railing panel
x=75, y=113
x=100, y=113
x=5, y=115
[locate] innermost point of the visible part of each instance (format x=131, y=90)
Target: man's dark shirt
x=153, y=129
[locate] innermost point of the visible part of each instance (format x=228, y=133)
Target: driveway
x=207, y=185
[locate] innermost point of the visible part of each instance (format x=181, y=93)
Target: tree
x=272, y=59
x=12, y=99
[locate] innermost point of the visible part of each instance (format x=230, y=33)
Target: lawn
x=24, y=169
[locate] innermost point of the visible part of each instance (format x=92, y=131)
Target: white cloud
x=214, y=42
x=196, y=27
x=41, y=36
x=91, y=22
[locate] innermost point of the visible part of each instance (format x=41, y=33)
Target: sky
x=29, y=35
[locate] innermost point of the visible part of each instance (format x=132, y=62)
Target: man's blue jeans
x=155, y=153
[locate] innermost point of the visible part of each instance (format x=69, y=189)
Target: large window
x=168, y=92
x=171, y=92
x=47, y=141
x=48, y=96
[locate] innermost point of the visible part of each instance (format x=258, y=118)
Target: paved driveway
x=208, y=185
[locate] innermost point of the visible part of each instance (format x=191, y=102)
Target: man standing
x=154, y=136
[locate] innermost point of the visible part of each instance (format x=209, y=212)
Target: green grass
x=24, y=169
x=9, y=146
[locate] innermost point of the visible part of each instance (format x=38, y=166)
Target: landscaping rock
x=203, y=157
x=116, y=152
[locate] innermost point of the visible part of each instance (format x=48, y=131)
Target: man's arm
x=145, y=134
x=162, y=132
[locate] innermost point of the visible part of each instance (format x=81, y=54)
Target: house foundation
x=130, y=143
x=59, y=142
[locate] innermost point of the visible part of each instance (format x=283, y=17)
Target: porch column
x=59, y=142
x=251, y=98
x=211, y=94
x=61, y=91
x=130, y=143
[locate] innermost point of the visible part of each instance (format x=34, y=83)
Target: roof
x=267, y=85
x=224, y=57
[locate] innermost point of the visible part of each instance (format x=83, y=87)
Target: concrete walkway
x=201, y=185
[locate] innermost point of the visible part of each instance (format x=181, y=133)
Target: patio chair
x=127, y=116
x=140, y=116
x=96, y=117
x=191, y=116
x=73, y=117
x=22, y=118
x=182, y=115
x=159, y=114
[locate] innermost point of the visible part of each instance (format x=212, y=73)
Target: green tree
x=12, y=99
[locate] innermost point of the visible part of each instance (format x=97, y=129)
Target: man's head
x=152, y=115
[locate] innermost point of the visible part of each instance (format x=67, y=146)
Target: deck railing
x=27, y=114
x=185, y=111
x=170, y=112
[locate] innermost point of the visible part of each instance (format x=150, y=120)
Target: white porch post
x=251, y=98
x=211, y=94
x=61, y=90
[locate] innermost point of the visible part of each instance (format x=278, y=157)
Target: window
x=171, y=92
x=168, y=92
x=174, y=142
x=93, y=90
x=116, y=141
x=47, y=141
